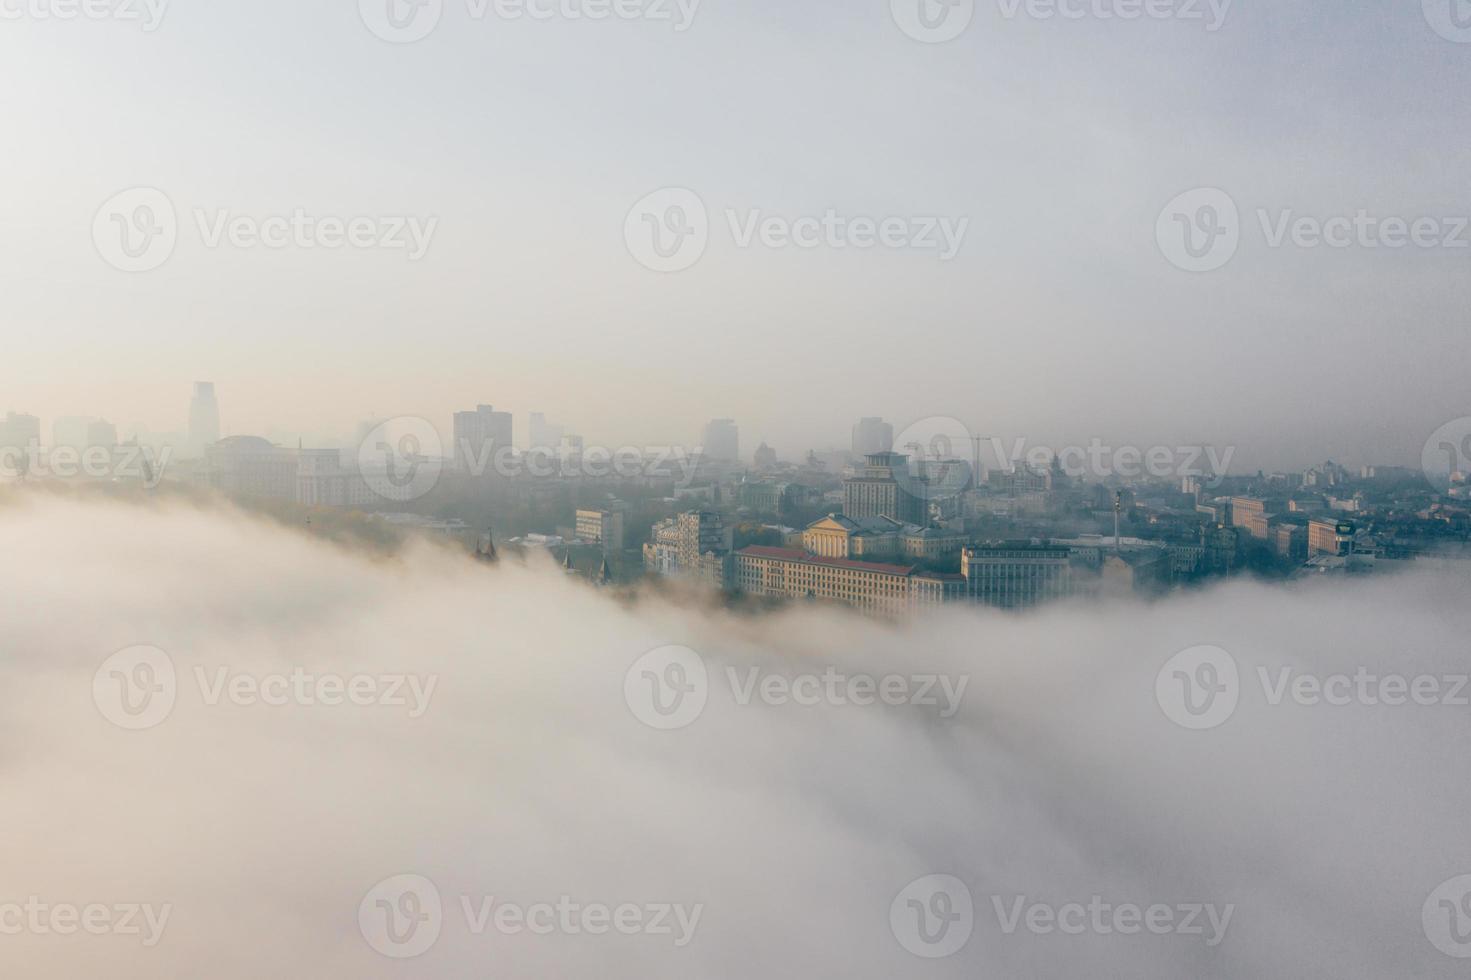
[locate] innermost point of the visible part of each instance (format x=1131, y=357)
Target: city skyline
x=999, y=447
x=1059, y=306
x=679, y=488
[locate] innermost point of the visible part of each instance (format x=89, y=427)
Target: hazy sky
x=1060, y=141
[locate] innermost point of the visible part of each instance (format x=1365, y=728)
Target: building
x=765, y=457
x=479, y=435
x=1289, y=540
x=249, y=466
x=323, y=481
x=1330, y=536
x=878, y=539
x=83, y=433
x=722, y=441
x=1021, y=480
x=884, y=488
x=542, y=435
x=204, y=417
x=841, y=536
x=764, y=496
x=930, y=543
x=678, y=544
x=1016, y=576
x=1251, y=515
x=602, y=527
x=1329, y=474
x=871, y=587
x=871, y=436
x=19, y=435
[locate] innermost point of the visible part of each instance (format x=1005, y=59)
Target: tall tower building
x=204, y=416
x=480, y=435
x=872, y=436
x=884, y=488
x=722, y=441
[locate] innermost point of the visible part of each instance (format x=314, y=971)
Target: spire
x=605, y=574
x=485, y=547
x=567, y=562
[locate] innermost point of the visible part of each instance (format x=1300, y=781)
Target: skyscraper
x=879, y=491
x=722, y=441
x=20, y=439
x=204, y=416
x=542, y=434
x=480, y=435
x=872, y=435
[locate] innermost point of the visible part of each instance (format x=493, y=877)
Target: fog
x=523, y=774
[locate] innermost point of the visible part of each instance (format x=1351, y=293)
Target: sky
x=1061, y=145
x=259, y=836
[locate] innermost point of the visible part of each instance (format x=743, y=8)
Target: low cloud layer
x=350, y=738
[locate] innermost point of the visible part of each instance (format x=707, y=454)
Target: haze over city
x=1059, y=140
x=724, y=488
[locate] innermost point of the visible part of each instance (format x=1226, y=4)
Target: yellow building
x=873, y=587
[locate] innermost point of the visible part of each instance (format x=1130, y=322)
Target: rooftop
x=792, y=554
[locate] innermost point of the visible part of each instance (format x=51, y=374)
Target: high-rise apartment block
x=884, y=488
x=479, y=436
x=204, y=417
x=872, y=435
x=722, y=441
